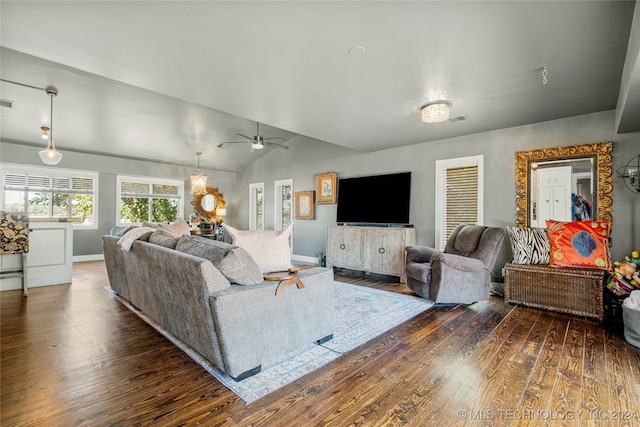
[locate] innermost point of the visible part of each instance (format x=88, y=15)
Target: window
x=148, y=199
x=48, y=192
x=459, y=195
x=284, y=203
x=256, y=206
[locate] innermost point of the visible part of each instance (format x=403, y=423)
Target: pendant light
x=198, y=181
x=50, y=155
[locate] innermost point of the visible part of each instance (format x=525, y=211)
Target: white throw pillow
x=270, y=249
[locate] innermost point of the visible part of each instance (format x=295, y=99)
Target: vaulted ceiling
x=161, y=80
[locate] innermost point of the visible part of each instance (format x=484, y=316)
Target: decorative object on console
x=326, y=190
x=436, y=111
x=198, y=181
x=529, y=245
x=50, y=155
x=304, y=201
x=580, y=243
x=630, y=173
x=270, y=249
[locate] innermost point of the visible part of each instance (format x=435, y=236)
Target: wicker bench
x=574, y=290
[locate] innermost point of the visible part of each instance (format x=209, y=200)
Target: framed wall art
x=326, y=188
x=304, y=204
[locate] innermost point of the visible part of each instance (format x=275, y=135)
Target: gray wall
x=308, y=157
x=88, y=242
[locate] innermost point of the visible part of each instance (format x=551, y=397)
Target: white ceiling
x=162, y=80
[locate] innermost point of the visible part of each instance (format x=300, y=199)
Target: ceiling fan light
x=50, y=156
x=436, y=112
x=257, y=146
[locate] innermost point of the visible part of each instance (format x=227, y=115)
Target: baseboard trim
x=82, y=258
x=303, y=258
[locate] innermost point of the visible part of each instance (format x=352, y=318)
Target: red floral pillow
x=580, y=243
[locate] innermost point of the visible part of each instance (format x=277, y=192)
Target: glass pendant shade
x=198, y=183
x=436, y=112
x=50, y=156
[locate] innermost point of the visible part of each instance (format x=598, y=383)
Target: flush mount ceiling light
x=436, y=112
x=50, y=156
x=198, y=181
x=45, y=132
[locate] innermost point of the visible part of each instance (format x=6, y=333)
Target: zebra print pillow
x=529, y=245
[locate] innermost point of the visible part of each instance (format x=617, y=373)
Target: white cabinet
x=554, y=194
x=373, y=249
x=50, y=257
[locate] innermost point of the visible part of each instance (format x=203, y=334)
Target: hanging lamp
x=198, y=181
x=50, y=155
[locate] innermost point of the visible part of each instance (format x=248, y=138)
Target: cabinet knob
x=342, y=246
x=381, y=250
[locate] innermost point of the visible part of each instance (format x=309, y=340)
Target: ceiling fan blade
x=234, y=142
x=245, y=136
x=271, y=139
x=273, y=144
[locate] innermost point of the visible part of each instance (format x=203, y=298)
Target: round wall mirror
x=208, y=202
x=207, y=205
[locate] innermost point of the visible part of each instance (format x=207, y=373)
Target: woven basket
x=570, y=290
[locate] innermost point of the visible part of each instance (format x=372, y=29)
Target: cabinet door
x=344, y=247
x=384, y=250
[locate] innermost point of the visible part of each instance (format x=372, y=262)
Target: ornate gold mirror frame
x=602, y=170
x=210, y=215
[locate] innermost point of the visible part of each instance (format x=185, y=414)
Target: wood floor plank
x=73, y=355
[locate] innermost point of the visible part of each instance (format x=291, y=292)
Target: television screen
x=380, y=199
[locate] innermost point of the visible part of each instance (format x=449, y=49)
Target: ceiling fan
x=257, y=142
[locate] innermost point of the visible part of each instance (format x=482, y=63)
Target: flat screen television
x=375, y=200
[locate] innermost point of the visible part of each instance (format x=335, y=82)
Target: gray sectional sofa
x=238, y=328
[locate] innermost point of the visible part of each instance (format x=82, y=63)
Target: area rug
x=361, y=314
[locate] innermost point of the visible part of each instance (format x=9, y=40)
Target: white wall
x=308, y=157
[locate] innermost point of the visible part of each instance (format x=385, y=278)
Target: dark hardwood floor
x=72, y=355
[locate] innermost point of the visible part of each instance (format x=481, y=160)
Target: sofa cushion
x=529, y=245
x=468, y=238
x=233, y=262
x=120, y=230
x=167, y=235
x=270, y=249
x=580, y=243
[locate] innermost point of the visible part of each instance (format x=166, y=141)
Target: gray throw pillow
x=233, y=262
x=529, y=245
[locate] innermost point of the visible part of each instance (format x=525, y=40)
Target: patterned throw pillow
x=529, y=245
x=270, y=249
x=580, y=243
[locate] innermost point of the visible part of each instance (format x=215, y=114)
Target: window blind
x=459, y=199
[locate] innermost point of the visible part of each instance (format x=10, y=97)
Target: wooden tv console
x=372, y=249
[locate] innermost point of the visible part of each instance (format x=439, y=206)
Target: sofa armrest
x=421, y=254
